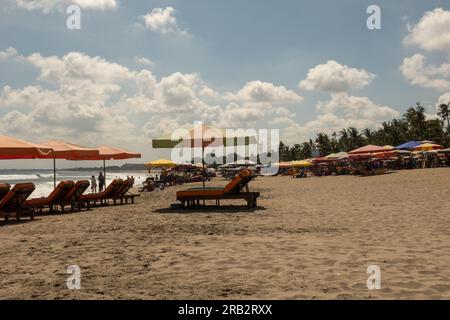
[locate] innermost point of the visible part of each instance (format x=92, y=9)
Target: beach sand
x=308, y=239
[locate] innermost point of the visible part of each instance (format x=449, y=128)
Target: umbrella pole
x=54, y=172
x=104, y=170
x=203, y=164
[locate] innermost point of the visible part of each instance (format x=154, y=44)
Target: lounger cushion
x=78, y=189
x=57, y=195
x=4, y=189
x=16, y=196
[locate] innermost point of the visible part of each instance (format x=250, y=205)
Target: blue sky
x=251, y=56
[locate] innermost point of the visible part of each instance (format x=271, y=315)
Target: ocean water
x=43, y=179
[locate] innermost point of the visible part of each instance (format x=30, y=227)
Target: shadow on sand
x=209, y=209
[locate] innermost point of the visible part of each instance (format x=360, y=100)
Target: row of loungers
x=236, y=189
x=14, y=203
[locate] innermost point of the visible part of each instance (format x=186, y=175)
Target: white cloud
x=163, y=21
x=258, y=91
x=443, y=99
x=144, y=61
x=49, y=5
x=416, y=70
x=432, y=32
x=93, y=101
x=8, y=53
x=341, y=111
x=335, y=77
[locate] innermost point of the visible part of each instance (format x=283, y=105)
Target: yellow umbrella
x=428, y=146
x=301, y=163
x=162, y=163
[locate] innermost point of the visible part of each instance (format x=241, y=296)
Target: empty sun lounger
x=123, y=192
x=102, y=197
x=12, y=203
x=55, y=199
x=73, y=197
x=233, y=190
x=4, y=189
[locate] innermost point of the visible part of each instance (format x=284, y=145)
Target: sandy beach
x=308, y=239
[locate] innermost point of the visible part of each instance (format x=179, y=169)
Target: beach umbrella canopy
x=336, y=156
x=162, y=163
x=109, y=153
x=370, y=149
x=65, y=150
x=301, y=163
x=68, y=151
x=410, y=145
x=113, y=153
x=428, y=146
x=244, y=163
x=11, y=148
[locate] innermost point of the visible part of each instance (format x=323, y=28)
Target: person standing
x=101, y=182
x=93, y=184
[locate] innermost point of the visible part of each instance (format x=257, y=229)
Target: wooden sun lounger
x=55, y=199
x=73, y=198
x=4, y=189
x=12, y=203
x=102, y=197
x=123, y=192
x=233, y=190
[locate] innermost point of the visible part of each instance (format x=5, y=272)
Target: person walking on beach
x=93, y=184
x=101, y=182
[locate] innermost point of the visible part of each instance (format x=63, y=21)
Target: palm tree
x=416, y=120
x=444, y=113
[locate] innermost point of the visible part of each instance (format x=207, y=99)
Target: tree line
x=413, y=125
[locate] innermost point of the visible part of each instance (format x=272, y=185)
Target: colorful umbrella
x=162, y=163
x=370, y=149
x=428, y=146
x=301, y=163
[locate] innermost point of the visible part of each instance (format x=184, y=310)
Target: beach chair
x=12, y=203
x=103, y=197
x=73, y=198
x=55, y=199
x=233, y=190
x=4, y=189
x=123, y=192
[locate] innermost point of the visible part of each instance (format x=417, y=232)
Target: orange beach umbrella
x=11, y=148
x=111, y=153
x=68, y=151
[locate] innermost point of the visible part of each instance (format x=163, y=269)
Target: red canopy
x=11, y=148
x=111, y=153
x=70, y=151
x=370, y=149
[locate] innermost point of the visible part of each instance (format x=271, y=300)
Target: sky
x=137, y=70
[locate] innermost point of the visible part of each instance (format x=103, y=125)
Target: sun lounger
x=73, y=198
x=233, y=190
x=102, y=197
x=55, y=199
x=4, y=189
x=12, y=203
x=123, y=192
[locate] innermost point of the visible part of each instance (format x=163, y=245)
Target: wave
x=26, y=177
